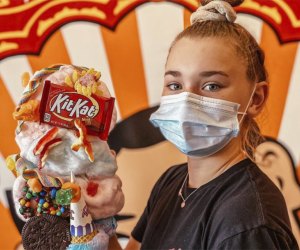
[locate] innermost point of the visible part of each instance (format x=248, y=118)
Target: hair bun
x=214, y=11
x=233, y=3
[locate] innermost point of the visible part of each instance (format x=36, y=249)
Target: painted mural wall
x=128, y=41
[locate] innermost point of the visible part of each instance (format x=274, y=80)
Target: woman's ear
x=259, y=98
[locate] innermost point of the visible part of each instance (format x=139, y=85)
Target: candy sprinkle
x=28, y=195
x=22, y=202
x=46, y=205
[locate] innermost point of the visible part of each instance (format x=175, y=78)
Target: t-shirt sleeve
x=139, y=229
x=259, y=238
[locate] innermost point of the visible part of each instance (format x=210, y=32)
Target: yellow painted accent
x=31, y=4
x=124, y=3
x=67, y=12
x=287, y=9
x=24, y=33
x=271, y=12
x=4, y=46
x=4, y=3
x=21, y=8
x=121, y=5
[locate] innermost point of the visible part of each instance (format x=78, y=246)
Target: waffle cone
x=83, y=239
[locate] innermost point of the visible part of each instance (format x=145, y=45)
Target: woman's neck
x=204, y=169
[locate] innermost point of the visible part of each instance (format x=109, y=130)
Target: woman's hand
x=103, y=195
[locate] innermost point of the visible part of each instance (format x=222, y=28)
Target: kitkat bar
x=61, y=105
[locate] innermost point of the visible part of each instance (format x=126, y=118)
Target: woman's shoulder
x=247, y=185
x=251, y=200
x=245, y=179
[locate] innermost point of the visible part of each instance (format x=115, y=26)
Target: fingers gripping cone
x=81, y=225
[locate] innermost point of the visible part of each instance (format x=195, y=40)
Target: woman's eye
x=211, y=87
x=174, y=86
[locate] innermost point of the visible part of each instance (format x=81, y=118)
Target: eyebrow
x=202, y=74
x=213, y=72
x=173, y=73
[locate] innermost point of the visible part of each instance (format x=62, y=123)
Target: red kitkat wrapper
x=61, y=105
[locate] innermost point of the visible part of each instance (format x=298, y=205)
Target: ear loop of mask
x=249, y=102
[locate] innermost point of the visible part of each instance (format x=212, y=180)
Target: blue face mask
x=197, y=125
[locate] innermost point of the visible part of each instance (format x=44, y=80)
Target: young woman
x=215, y=85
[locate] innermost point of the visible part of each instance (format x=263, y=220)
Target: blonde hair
x=249, y=50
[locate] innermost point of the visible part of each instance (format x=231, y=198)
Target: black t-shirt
x=240, y=209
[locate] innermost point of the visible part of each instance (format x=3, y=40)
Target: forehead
x=208, y=53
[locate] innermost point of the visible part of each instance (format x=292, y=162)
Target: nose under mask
x=197, y=125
